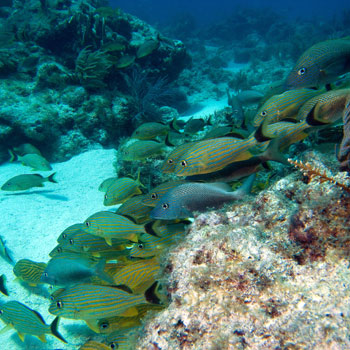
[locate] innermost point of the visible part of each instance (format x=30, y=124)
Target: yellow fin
x=42, y=338
x=133, y=237
x=108, y=240
x=130, y=312
x=21, y=336
x=93, y=325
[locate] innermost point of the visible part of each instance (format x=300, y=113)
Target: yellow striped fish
x=106, y=183
x=286, y=105
x=136, y=209
x=82, y=242
x=138, y=276
x=150, y=130
x=151, y=246
x=86, y=301
x=172, y=159
x=142, y=150
x=122, y=340
x=94, y=345
x=214, y=154
x=153, y=197
x=110, y=225
x=122, y=189
x=29, y=271
x=117, y=323
x=282, y=130
x=65, y=235
x=321, y=64
x=325, y=108
x=27, y=321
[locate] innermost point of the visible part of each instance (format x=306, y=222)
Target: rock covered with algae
x=269, y=273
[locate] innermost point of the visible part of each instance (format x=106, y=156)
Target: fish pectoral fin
x=130, y=312
x=93, y=325
x=32, y=284
x=133, y=238
x=21, y=336
x=108, y=241
x=6, y=328
x=42, y=338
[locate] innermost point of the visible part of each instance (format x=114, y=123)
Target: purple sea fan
x=344, y=149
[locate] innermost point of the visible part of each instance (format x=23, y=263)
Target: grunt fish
x=325, y=108
x=27, y=321
x=26, y=148
x=172, y=159
x=33, y=160
x=147, y=47
x=135, y=208
x=142, y=150
x=91, y=302
x=95, y=345
x=320, y=64
x=150, y=130
x=212, y=155
x=183, y=200
x=65, y=235
x=110, y=225
x=122, y=189
x=106, y=183
x=29, y=271
x=247, y=97
x=26, y=181
x=286, y=105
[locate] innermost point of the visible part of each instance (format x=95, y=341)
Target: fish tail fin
x=246, y=188
x=151, y=294
x=54, y=330
x=168, y=142
x=138, y=179
x=100, y=272
x=150, y=229
x=13, y=156
x=3, y=288
x=51, y=178
x=273, y=153
x=173, y=125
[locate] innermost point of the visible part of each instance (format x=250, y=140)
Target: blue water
x=210, y=11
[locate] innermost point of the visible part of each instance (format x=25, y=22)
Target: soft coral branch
x=312, y=172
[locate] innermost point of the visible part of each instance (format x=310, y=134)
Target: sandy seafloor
x=32, y=220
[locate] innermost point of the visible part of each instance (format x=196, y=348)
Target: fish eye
x=154, y=196
x=263, y=113
x=170, y=161
x=104, y=325
x=114, y=346
x=71, y=241
x=165, y=205
x=302, y=71
x=87, y=223
x=59, y=304
x=184, y=163
x=140, y=246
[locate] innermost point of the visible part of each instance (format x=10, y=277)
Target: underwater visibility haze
x=174, y=175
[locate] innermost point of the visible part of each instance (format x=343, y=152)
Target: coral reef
x=259, y=275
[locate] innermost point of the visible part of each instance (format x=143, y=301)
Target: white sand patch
x=32, y=220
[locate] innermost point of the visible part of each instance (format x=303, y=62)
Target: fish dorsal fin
x=39, y=316
x=222, y=186
x=38, y=175
x=57, y=292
